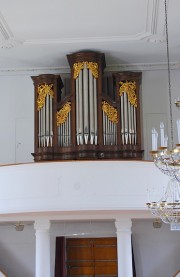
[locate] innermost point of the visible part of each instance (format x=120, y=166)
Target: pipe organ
x=88, y=115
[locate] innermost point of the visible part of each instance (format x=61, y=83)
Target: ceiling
x=39, y=34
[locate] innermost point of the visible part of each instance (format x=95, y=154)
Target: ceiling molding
x=139, y=36
x=152, y=14
x=109, y=68
x=7, y=39
x=153, y=31
x=155, y=22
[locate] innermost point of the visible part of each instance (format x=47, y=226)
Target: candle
x=166, y=141
x=162, y=133
x=178, y=129
x=154, y=139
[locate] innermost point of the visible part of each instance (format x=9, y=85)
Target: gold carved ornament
x=90, y=65
x=43, y=91
x=62, y=114
x=110, y=111
x=130, y=89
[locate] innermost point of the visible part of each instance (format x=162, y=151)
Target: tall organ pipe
x=86, y=107
x=69, y=128
x=77, y=111
x=51, y=123
x=91, y=102
x=95, y=110
x=47, y=120
x=122, y=118
x=129, y=122
x=80, y=109
x=43, y=125
x=39, y=128
x=135, y=129
x=125, y=118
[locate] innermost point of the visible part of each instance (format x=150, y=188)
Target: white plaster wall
x=77, y=186
x=17, y=119
x=155, y=106
x=17, y=251
x=156, y=251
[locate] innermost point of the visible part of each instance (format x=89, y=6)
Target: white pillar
x=124, y=248
x=42, y=227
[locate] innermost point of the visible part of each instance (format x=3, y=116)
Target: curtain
x=133, y=261
x=60, y=259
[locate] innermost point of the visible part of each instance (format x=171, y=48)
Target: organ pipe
x=91, y=109
x=95, y=112
x=127, y=92
x=86, y=103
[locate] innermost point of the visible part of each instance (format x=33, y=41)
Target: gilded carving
x=43, y=91
x=77, y=67
x=110, y=111
x=90, y=65
x=130, y=89
x=62, y=114
x=94, y=68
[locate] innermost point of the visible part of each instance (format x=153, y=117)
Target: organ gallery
x=90, y=114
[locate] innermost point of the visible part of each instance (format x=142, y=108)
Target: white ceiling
x=40, y=33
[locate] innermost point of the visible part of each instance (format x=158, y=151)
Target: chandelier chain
x=169, y=74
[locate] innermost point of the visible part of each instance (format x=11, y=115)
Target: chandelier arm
x=169, y=73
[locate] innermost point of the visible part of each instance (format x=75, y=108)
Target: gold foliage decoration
x=110, y=111
x=130, y=89
x=90, y=65
x=44, y=90
x=62, y=114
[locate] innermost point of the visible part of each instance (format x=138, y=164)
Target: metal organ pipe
x=109, y=115
x=125, y=119
x=122, y=119
x=64, y=133
x=39, y=128
x=80, y=109
x=45, y=129
x=43, y=125
x=69, y=128
x=50, y=122
x=47, y=120
x=91, y=108
x=135, y=130
x=86, y=107
x=128, y=121
x=64, y=125
x=95, y=111
x=77, y=111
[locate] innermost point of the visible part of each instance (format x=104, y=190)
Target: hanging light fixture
x=168, y=162
x=168, y=207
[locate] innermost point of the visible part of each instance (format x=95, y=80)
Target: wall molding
x=109, y=68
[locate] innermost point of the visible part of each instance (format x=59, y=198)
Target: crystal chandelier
x=168, y=207
x=168, y=162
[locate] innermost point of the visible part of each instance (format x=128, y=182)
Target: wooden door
x=91, y=257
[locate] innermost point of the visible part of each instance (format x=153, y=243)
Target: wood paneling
x=91, y=257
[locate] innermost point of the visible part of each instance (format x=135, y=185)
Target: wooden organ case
x=90, y=115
